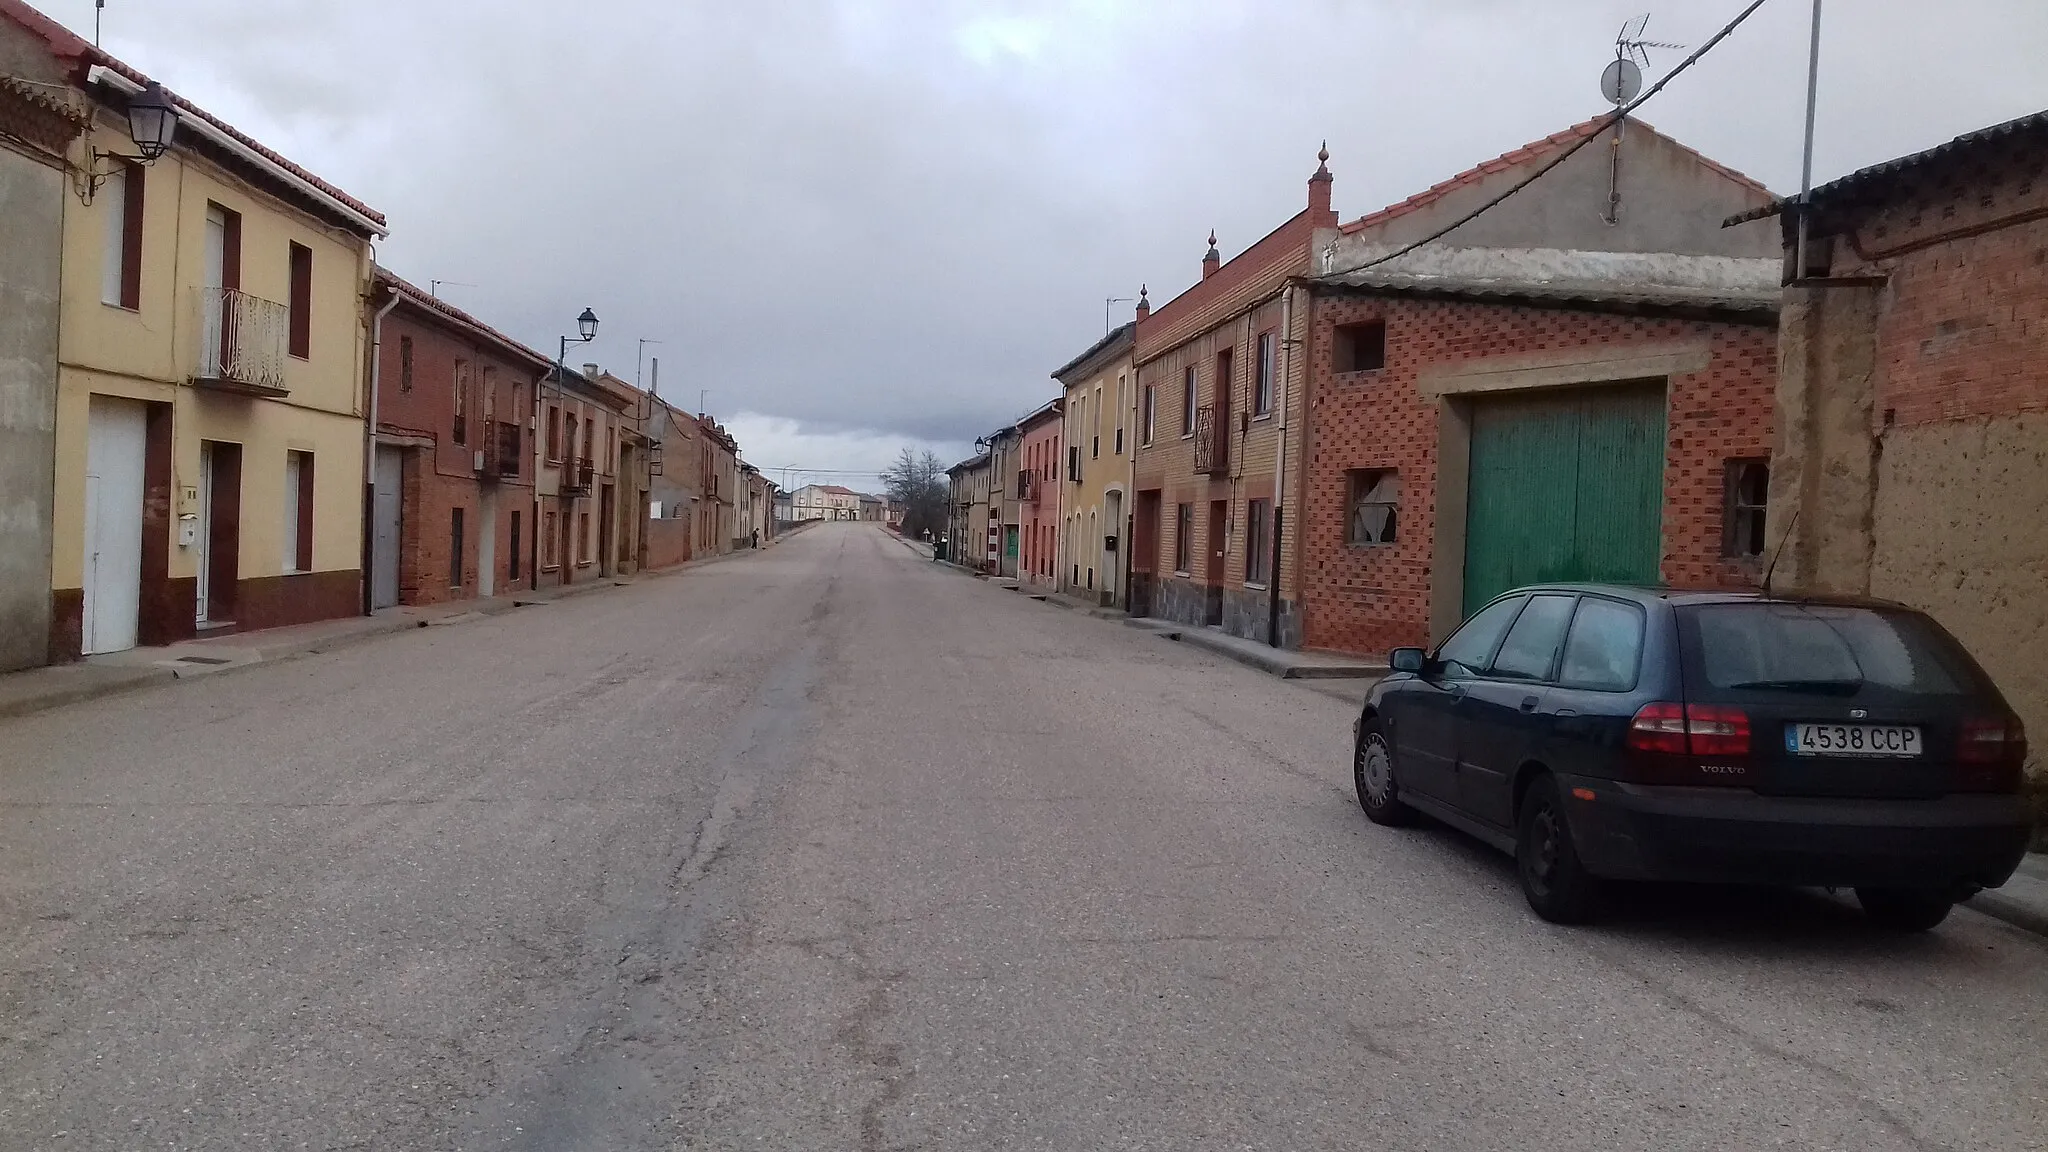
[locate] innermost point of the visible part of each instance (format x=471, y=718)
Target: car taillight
x=1658, y=728
x=1688, y=744
x=1991, y=755
x=1716, y=730
x=1696, y=729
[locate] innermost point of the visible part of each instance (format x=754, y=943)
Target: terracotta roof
x=414, y=294
x=68, y=45
x=1535, y=150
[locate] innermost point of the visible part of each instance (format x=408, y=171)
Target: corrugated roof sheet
x=2033, y=124
x=1562, y=292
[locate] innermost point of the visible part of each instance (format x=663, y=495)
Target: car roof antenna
x=1782, y=541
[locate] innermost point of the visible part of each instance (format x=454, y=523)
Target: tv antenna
x=99, y=8
x=1109, y=304
x=434, y=286
x=1620, y=83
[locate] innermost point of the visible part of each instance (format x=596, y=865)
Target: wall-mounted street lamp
x=152, y=126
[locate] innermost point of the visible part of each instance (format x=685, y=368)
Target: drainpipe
x=370, y=453
x=1280, y=470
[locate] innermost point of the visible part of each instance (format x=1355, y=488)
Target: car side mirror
x=1407, y=660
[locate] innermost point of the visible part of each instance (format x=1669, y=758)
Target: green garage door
x=1565, y=486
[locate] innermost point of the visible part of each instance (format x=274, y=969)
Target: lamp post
x=152, y=126
x=586, y=331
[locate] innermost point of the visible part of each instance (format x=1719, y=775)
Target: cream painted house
x=1095, y=476
x=211, y=372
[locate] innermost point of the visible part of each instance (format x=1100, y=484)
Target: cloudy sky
x=860, y=224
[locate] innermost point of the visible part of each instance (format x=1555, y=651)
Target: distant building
x=824, y=502
x=1037, y=487
x=1095, y=476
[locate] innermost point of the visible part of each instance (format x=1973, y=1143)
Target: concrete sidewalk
x=1285, y=663
x=2023, y=902
x=39, y=689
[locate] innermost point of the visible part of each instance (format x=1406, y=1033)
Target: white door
x=205, y=542
x=213, y=277
x=385, y=540
x=487, y=545
x=117, y=440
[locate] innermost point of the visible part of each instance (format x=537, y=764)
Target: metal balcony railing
x=242, y=341
x=1212, y=443
x=578, y=473
x=1024, y=485
x=501, y=452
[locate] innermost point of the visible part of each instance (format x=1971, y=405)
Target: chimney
x=1212, y=260
x=590, y=370
x=1321, y=215
x=1144, y=302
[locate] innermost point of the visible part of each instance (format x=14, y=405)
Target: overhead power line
x=1613, y=118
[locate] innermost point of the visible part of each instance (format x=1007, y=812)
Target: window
x=517, y=412
x=121, y=271
x=1747, y=492
x=569, y=431
x=1824, y=649
x=405, y=363
x=1361, y=347
x=1262, y=388
x=583, y=539
x=301, y=305
x=1258, y=528
x=1149, y=418
x=589, y=438
x=298, y=512
x=461, y=435
x=490, y=393
x=1470, y=647
x=1095, y=433
x=1119, y=450
x=1375, y=494
x=512, y=561
x=550, y=540
x=554, y=434
x=1532, y=644
x=1187, y=402
x=1605, y=647
x=1183, y=537
x=455, y=548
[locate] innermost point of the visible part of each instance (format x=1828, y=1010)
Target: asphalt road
x=828, y=848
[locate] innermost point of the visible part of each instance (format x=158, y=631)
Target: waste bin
x=938, y=549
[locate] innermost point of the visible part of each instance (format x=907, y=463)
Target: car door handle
x=1528, y=704
x=1567, y=713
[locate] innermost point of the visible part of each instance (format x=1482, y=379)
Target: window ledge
x=1368, y=546
x=117, y=306
x=1341, y=376
x=1185, y=575
x=1257, y=586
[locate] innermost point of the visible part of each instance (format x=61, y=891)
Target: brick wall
x=1370, y=599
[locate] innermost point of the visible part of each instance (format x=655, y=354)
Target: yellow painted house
x=1096, y=474
x=211, y=378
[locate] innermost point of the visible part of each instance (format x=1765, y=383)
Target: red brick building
x=1038, y=487
x=454, y=472
x=1218, y=413
x=1576, y=385
x=1913, y=408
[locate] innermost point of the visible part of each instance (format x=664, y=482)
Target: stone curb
x=2018, y=913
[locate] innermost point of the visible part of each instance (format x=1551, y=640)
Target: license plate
x=1852, y=740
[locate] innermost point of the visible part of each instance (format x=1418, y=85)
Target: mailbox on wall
x=1109, y=543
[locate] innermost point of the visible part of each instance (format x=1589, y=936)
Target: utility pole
x=1806, y=168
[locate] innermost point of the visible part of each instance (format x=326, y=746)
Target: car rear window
x=1823, y=647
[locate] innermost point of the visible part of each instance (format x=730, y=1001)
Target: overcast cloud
x=865, y=223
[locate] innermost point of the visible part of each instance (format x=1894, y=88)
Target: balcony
x=578, y=474
x=1212, y=443
x=1026, y=486
x=500, y=453
x=241, y=343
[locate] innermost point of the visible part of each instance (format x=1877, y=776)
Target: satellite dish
x=1621, y=82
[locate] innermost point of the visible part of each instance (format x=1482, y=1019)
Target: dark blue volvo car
x=1601, y=732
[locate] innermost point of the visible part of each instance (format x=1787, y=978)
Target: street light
x=152, y=121
x=586, y=325
x=152, y=126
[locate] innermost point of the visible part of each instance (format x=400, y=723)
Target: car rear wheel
x=1556, y=884
x=1372, y=772
x=1904, y=909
